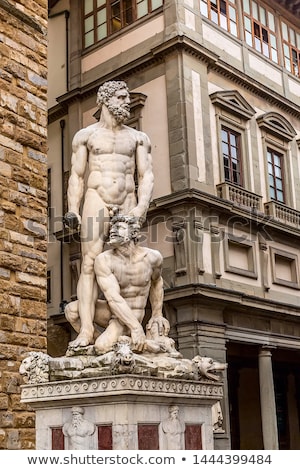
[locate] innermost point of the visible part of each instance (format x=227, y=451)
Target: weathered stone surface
x=23, y=213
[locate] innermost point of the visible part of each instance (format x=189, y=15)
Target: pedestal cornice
x=38, y=395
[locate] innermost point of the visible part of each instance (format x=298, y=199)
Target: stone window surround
x=233, y=112
x=277, y=133
x=293, y=259
x=217, y=14
x=251, y=254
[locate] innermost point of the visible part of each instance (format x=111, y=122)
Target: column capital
x=266, y=350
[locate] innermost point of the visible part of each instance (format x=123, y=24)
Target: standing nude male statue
x=127, y=274
x=113, y=153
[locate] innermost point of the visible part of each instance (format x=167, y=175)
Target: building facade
x=215, y=85
x=23, y=207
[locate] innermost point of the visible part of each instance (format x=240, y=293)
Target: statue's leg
x=103, y=314
x=72, y=315
x=94, y=228
x=104, y=343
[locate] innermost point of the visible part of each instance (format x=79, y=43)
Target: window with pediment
x=232, y=112
x=277, y=133
x=102, y=18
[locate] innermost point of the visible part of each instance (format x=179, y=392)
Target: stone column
x=267, y=400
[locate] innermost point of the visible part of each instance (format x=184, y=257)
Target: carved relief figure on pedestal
x=113, y=153
x=123, y=437
x=173, y=429
x=217, y=418
x=79, y=431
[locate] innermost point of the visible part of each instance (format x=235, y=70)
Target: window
x=259, y=27
x=275, y=174
x=232, y=113
x=101, y=18
x=291, y=49
x=277, y=135
x=231, y=155
x=221, y=12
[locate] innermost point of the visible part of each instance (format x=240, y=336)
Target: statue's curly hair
x=133, y=222
x=108, y=89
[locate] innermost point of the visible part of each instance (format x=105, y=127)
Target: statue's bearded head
x=115, y=96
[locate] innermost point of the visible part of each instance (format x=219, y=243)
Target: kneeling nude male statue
x=127, y=275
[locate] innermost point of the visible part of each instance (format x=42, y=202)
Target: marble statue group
x=126, y=274
x=119, y=351
x=109, y=193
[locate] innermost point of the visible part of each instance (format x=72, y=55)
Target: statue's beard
x=76, y=422
x=120, y=113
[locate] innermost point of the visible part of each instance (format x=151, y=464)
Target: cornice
x=121, y=386
x=57, y=112
x=179, y=44
x=229, y=298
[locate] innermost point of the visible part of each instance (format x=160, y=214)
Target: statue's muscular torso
x=133, y=274
x=111, y=160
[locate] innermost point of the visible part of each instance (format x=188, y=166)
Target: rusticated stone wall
x=23, y=206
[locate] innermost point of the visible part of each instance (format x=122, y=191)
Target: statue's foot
x=81, y=341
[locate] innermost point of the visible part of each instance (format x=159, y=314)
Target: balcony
x=239, y=196
x=282, y=213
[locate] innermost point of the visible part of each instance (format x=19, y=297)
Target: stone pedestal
x=124, y=412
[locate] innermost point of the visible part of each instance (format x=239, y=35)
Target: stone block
x=3, y=402
x=5, y=170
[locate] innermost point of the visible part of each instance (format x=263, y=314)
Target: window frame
x=234, y=113
x=218, y=11
x=275, y=153
x=107, y=8
x=291, y=47
x=277, y=134
x=231, y=132
x=258, y=22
